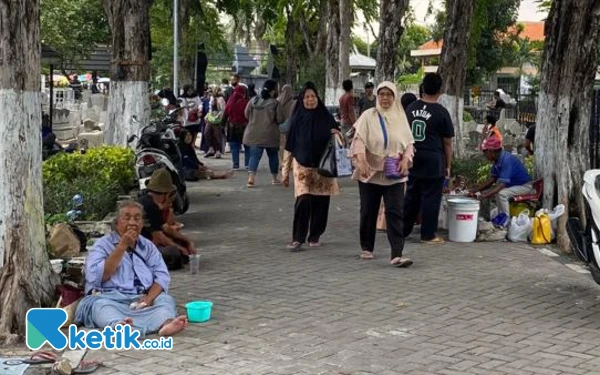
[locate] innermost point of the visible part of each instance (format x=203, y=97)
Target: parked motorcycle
x=157, y=148
x=586, y=241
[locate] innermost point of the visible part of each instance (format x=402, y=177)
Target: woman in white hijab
x=383, y=136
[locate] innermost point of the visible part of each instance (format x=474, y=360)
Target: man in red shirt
x=347, y=115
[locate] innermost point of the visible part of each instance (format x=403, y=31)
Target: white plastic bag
x=520, y=227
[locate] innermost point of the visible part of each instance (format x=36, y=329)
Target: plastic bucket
x=199, y=311
x=463, y=216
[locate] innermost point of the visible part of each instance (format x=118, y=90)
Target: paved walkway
x=460, y=309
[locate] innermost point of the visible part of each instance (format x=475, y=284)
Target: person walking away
x=347, y=114
x=368, y=100
x=433, y=132
x=508, y=177
x=236, y=125
x=214, y=120
x=382, y=132
x=406, y=100
x=287, y=103
x=192, y=115
x=311, y=128
x=262, y=132
x=490, y=129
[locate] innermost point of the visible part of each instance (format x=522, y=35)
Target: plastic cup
x=194, y=263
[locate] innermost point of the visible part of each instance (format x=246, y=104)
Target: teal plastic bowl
x=199, y=311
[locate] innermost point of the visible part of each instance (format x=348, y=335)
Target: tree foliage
x=491, y=45
x=73, y=27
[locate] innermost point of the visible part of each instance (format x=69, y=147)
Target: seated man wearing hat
x=157, y=200
x=508, y=174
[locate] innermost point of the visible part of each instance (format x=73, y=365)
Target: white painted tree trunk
x=127, y=99
x=569, y=65
x=455, y=107
x=332, y=53
x=130, y=69
x=26, y=277
x=453, y=64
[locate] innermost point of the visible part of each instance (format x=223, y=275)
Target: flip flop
x=41, y=358
x=367, y=255
x=87, y=367
x=434, y=241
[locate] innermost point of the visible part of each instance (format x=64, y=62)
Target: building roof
x=533, y=31
x=358, y=61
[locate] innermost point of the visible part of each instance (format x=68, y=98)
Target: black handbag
x=328, y=163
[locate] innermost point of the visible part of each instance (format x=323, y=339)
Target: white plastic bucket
x=462, y=219
x=443, y=215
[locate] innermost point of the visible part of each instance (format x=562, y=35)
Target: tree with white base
x=26, y=277
x=129, y=22
x=453, y=64
x=569, y=66
x=390, y=31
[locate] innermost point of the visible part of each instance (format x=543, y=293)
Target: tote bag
x=334, y=160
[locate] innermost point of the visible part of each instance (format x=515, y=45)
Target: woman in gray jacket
x=262, y=131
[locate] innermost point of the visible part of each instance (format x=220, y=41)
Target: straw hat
x=161, y=182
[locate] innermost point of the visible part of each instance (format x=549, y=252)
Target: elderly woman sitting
x=127, y=281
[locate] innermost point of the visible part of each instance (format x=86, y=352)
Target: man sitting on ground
x=157, y=201
x=124, y=268
x=508, y=173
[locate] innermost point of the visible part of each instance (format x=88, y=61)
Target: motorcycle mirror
x=77, y=200
x=165, y=102
x=131, y=138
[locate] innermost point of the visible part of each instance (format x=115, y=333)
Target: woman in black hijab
x=311, y=127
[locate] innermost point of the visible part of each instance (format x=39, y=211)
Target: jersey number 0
x=418, y=129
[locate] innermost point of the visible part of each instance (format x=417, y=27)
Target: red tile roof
x=534, y=31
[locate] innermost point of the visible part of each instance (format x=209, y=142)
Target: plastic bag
x=520, y=227
x=541, y=234
x=554, y=215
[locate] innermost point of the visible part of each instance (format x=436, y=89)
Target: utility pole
x=175, y=47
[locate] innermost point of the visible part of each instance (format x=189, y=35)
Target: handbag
x=334, y=160
x=390, y=164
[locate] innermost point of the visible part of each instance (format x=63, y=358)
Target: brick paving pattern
x=483, y=308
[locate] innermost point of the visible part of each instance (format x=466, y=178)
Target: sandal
x=41, y=358
x=250, y=184
x=87, y=367
x=294, y=246
x=401, y=262
x=367, y=255
x=314, y=244
x=434, y=241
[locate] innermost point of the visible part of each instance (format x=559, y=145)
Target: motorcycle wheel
x=595, y=272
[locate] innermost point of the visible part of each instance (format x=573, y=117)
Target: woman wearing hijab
x=406, y=100
x=382, y=132
x=262, y=132
x=236, y=124
x=310, y=131
x=287, y=103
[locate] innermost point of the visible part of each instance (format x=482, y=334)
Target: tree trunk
x=188, y=58
x=332, y=53
x=26, y=277
x=390, y=31
x=346, y=13
x=453, y=64
x=292, y=58
x=322, y=37
x=569, y=67
x=130, y=70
